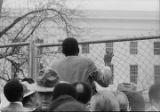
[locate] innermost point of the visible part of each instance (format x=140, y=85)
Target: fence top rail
x=15, y=44
x=105, y=41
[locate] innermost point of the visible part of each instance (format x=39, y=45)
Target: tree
x=50, y=17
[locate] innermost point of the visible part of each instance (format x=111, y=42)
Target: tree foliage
x=36, y=23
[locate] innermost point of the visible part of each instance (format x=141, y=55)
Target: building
x=134, y=61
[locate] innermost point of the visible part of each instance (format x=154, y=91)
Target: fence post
x=37, y=61
x=31, y=59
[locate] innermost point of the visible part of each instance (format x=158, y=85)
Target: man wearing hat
x=44, y=86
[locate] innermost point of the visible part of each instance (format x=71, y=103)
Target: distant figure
x=127, y=87
x=154, y=96
x=44, y=86
x=74, y=68
x=13, y=91
x=64, y=89
x=136, y=101
x=60, y=100
x=71, y=106
x=104, y=101
x=123, y=101
x=83, y=92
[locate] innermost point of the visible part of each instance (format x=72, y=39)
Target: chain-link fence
x=135, y=60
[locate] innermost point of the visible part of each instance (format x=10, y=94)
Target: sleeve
x=96, y=75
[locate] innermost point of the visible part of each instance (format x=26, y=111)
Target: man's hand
x=108, y=58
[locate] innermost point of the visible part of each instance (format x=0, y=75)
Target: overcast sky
x=140, y=5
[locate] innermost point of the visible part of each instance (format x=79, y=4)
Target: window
x=133, y=73
x=85, y=48
x=109, y=47
x=157, y=73
x=156, y=48
x=133, y=47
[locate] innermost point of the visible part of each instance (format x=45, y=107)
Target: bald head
x=83, y=92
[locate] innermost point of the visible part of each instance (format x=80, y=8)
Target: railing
x=135, y=60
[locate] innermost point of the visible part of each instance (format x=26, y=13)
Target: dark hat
x=46, y=81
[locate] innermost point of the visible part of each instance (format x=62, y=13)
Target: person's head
x=64, y=89
x=154, y=93
x=71, y=106
x=123, y=101
x=104, y=101
x=70, y=47
x=29, y=80
x=136, y=101
x=44, y=86
x=83, y=92
x=13, y=90
x=60, y=100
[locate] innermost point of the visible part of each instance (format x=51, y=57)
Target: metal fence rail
x=135, y=60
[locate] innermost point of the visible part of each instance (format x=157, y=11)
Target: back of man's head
x=154, y=93
x=104, y=101
x=83, y=92
x=136, y=101
x=13, y=90
x=60, y=100
x=64, y=89
x=70, y=47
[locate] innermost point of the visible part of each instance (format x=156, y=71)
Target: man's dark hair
x=13, y=90
x=64, y=89
x=83, y=92
x=60, y=100
x=29, y=80
x=136, y=101
x=154, y=92
x=70, y=47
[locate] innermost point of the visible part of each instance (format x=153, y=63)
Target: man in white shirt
x=74, y=68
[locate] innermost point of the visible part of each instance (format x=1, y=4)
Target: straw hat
x=46, y=81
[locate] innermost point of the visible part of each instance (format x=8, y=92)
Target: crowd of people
x=71, y=85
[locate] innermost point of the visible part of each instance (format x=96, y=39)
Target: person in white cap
x=29, y=97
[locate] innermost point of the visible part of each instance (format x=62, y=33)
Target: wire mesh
x=126, y=57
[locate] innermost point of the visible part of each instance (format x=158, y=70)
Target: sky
x=136, y=5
